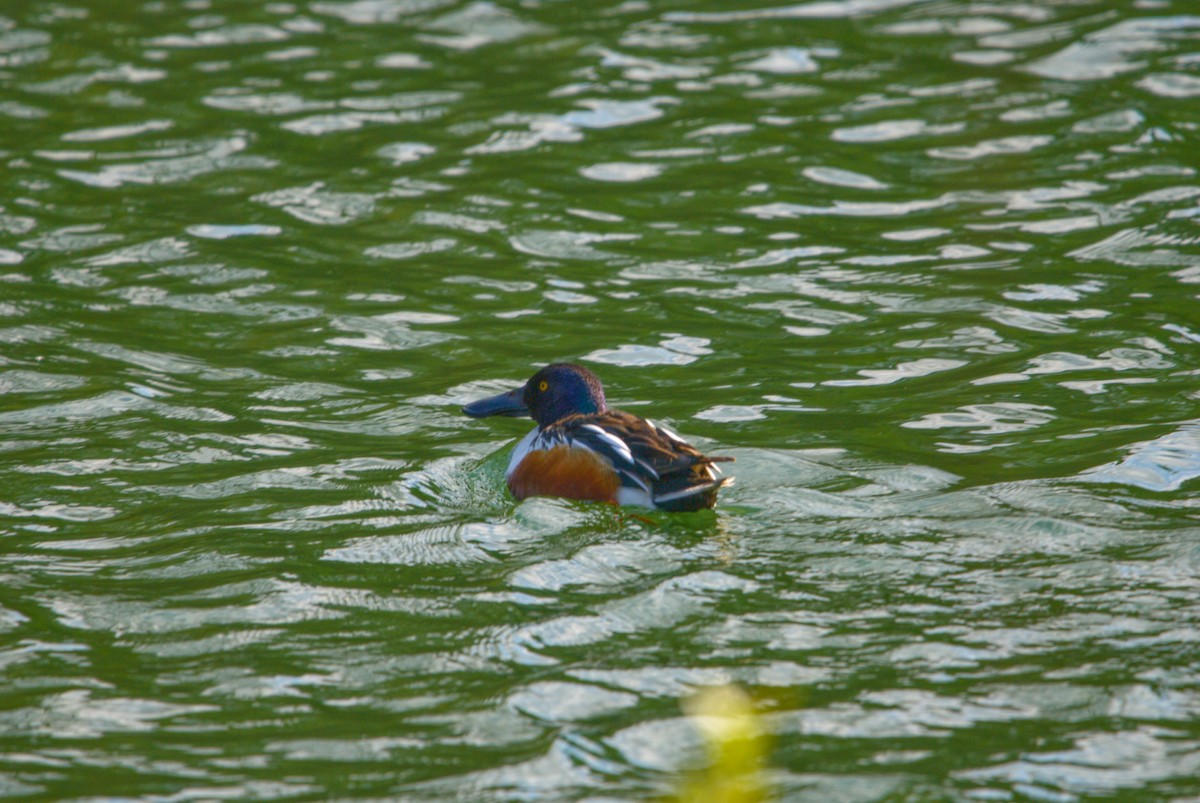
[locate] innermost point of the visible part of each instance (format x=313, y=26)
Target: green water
x=929, y=270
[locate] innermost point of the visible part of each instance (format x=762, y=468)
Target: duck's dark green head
x=553, y=393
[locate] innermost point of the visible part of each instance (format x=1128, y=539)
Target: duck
x=582, y=449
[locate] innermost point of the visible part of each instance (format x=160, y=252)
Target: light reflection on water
x=926, y=270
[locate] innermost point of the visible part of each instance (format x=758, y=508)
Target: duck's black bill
x=510, y=403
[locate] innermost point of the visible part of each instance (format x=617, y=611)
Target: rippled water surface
x=929, y=270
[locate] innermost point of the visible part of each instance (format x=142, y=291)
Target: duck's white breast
x=524, y=447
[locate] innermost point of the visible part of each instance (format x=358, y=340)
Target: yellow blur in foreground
x=736, y=745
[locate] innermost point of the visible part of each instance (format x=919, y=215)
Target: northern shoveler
x=580, y=449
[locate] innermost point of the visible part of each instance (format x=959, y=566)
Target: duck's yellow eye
x=543, y=385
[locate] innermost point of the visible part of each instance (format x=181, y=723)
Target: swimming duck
x=581, y=449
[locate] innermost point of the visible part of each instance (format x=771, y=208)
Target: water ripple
x=926, y=270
